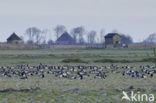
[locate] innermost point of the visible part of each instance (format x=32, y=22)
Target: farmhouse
x=113, y=40
x=65, y=39
x=14, y=39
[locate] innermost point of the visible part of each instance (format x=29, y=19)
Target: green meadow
x=52, y=89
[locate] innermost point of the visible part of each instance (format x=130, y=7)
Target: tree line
x=79, y=34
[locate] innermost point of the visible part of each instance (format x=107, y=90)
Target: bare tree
x=73, y=34
x=59, y=29
x=34, y=34
x=44, y=35
x=38, y=38
x=30, y=33
x=78, y=34
x=91, y=37
x=102, y=33
x=151, y=39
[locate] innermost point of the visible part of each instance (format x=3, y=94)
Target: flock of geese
x=76, y=72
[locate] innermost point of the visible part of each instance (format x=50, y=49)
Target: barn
x=65, y=39
x=14, y=39
x=113, y=40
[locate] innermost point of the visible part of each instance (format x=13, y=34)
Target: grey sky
x=134, y=17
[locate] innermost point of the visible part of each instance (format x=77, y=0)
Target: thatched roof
x=14, y=37
x=110, y=35
x=65, y=37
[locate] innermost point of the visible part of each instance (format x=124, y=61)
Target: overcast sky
x=134, y=17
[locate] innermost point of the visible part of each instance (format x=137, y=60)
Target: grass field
x=60, y=90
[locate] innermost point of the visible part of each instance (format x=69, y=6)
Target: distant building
x=113, y=40
x=14, y=39
x=65, y=39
